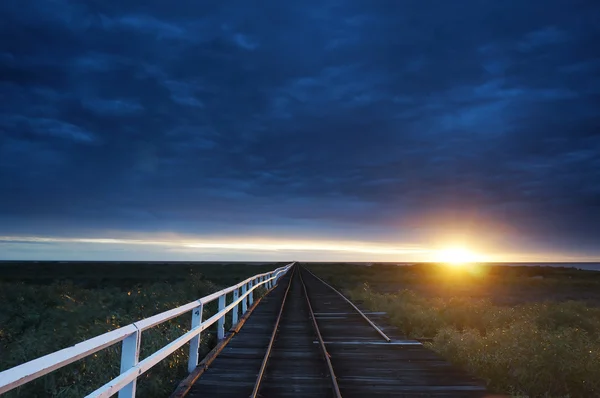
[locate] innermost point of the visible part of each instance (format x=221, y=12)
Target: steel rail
x=385, y=336
x=334, y=383
x=263, y=366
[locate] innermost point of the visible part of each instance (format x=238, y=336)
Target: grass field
x=45, y=307
x=526, y=331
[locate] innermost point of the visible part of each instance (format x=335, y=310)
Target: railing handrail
x=24, y=373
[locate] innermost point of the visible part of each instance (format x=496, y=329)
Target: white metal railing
x=130, y=335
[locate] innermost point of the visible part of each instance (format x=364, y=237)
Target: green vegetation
x=508, y=285
x=43, y=315
x=541, y=348
x=95, y=274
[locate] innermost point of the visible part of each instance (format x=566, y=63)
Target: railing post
x=234, y=312
x=245, y=300
x=251, y=295
x=130, y=354
x=195, y=341
x=221, y=321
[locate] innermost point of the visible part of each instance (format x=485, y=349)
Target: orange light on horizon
x=457, y=256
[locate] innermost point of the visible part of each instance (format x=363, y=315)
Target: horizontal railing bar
x=165, y=316
x=216, y=295
x=113, y=386
x=225, y=310
x=170, y=314
x=31, y=370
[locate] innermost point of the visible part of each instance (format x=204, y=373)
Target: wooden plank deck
x=365, y=365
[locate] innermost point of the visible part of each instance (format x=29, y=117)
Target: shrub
x=544, y=349
x=39, y=319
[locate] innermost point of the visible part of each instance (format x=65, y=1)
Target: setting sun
x=456, y=256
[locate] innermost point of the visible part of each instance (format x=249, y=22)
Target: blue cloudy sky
x=355, y=129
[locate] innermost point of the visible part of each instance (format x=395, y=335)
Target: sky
x=351, y=130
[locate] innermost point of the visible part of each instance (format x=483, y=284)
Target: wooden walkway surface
x=362, y=362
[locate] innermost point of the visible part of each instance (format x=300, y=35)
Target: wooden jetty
x=305, y=339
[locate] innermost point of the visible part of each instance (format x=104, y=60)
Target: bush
x=544, y=349
x=36, y=320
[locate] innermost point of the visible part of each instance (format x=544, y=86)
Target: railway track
x=296, y=364
x=307, y=340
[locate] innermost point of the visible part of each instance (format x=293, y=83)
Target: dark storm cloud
x=143, y=115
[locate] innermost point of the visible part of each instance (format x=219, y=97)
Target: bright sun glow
x=456, y=256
